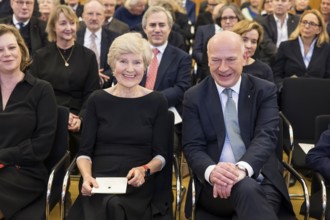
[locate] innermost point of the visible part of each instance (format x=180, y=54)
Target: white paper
x=111, y=185
x=306, y=147
x=177, y=117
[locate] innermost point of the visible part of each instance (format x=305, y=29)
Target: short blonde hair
x=245, y=26
x=129, y=43
x=323, y=36
x=54, y=15
x=25, y=59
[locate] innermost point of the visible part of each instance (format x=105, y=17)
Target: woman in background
x=27, y=126
x=252, y=34
x=307, y=53
x=70, y=68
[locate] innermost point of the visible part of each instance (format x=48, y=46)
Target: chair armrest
x=303, y=185
x=319, y=178
x=287, y=123
x=178, y=186
x=193, y=195
x=65, y=185
x=64, y=160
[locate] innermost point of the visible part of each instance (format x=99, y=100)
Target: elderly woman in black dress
x=27, y=126
x=124, y=135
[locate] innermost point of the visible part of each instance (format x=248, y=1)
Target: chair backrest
x=302, y=100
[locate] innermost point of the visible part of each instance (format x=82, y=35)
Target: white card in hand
x=111, y=185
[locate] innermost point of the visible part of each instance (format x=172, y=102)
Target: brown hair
x=245, y=26
x=25, y=60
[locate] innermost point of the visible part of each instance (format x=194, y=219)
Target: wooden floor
x=74, y=192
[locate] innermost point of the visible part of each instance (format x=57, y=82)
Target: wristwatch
x=240, y=167
x=146, y=171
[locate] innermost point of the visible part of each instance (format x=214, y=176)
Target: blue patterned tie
x=232, y=126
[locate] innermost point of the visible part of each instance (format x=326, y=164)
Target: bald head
x=225, y=52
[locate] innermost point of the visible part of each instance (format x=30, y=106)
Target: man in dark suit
x=318, y=158
x=110, y=22
x=172, y=77
x=228, y=184
x=93, y=17
x=174, y=65
x=277, y=28
x=31, y=28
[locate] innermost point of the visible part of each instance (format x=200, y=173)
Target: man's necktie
x=232, y=126
x=153, y=69
x=20, y=25
x=93, y=47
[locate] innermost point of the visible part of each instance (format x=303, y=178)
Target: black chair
x=56, y=163
x=161, y=204
x=191, y=200
x=303, y=99
x=318, y=195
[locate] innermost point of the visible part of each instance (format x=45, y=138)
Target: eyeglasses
x=310, y=23
x=230, y=18
x=28, y=3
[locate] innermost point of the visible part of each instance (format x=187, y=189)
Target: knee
x=247, y=187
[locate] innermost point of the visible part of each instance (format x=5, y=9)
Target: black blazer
x=204, y=133
x=38, y=36
x=270, y=33
x=289, y=62
x=203, y=34
x=173, y=77
x=117, y=26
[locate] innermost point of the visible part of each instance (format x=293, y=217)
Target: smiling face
x=325, y=7
x=225, y=52
x=157, y=28
x=250, y=40
x=10, y=54
x=129, y=69
x=65, y=28
x=311, y=29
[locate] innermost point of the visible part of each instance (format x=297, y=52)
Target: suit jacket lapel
x=104, y=49
x=213, y=106
x=296, y=50
x=273, y=27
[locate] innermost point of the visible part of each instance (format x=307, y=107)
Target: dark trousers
x=248, y=200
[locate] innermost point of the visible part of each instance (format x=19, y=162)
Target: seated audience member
x=307, y=53
x=252, y=34
x=70, y=68
x=45, y=8
x=110, y=22
x=203, y=34
x=205, y=17
x=325, y=11
x=300, y=6
x=124, y=135
x=229, y=136
x=131, y=12
x=31, y=28
x=252, y=10
x=318, y=158
x=277, y=28
x=76, y=7
x=266, y=8
x=228, y=16
x=6, y=10
x=28, y=120
x=180, y=18
x=97, y=38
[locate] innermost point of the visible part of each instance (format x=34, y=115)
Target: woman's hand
x=88, y=183
x=136, y=176
x=74, y=123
